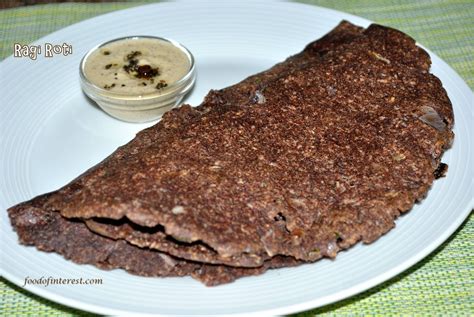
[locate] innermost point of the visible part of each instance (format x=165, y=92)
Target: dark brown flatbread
x=336, y=149
x=51, y=232
x=326, y=152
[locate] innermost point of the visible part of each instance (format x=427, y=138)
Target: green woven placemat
x=443, y=283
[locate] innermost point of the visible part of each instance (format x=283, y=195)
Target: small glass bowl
x=139, y=107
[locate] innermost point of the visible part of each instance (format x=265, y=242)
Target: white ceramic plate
x=51, y=133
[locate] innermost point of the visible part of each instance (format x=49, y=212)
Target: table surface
x=441, y=284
